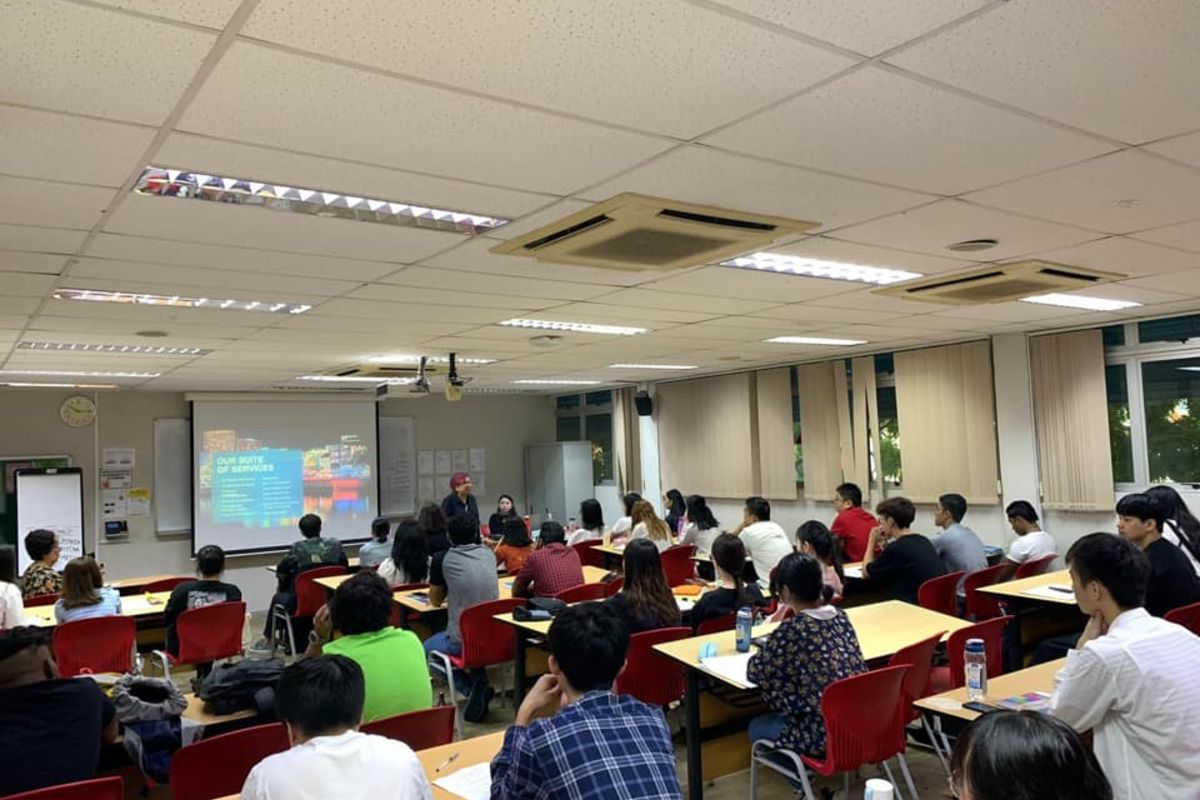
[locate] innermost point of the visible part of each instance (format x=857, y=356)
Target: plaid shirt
x=550, y=569
x=605, y=745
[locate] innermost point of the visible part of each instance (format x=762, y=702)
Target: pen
x=447, y=762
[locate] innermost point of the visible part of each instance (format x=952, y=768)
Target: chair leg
x=442, y=661
x=908, y=779
x=753, y=777
x=887, y=770
x=808, y=790
x=846, y=784
x=937, y=747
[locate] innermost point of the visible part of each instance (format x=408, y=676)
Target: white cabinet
x=558, y=477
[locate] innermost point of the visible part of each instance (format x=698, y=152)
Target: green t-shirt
x=394, y=668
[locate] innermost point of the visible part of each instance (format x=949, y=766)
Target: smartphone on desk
x=420, y=597
x=982, y=708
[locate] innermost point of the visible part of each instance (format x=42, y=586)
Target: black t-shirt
x=50, y=733
x=905, y=564
x=195, y=594
x=720, y=602
x=437, y=542
x=1172, y=580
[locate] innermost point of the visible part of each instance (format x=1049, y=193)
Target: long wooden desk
x=196, y=713
x=133, y=605
x=418, y=599
x=122, y=584
x=1037, y=589
x=1048, y=597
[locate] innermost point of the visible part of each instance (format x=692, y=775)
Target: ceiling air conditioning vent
x=636, y=232
x=1000, y=283
x=384, y=371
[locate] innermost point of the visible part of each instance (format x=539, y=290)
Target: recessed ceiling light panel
x=574, y=327
x=1080, y=301
x=121, y=349
x=652, y=366
x=819, y=268
x=355, y=379
x=178, y=301
x=818, y=340
x=409, y=359
x=28, y=385
x=72, y=373
x=555, y=382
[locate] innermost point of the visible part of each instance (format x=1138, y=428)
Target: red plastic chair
x=1034, y=566
x=1187, y=616
x=940, y=594
x=165, y=585
x=725, y=622
x=614, y=586
x=650, y=677
x=206, y=634
x=95, y=789
x=943, y=679
x=42, y=600
x=99, y=644
x=218, y=766
x=485, y=642
x=858, y=729
x=583, y=592
x=981, y=606
x=919, y=660
x=589, y=556
x=309, y=599
x=677, y=563
x=428, y=727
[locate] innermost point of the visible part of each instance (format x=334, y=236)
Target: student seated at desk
x=431, y=521
x=313, y=550
x=1131, y=678
x=210, y=565
x=506, y=508
x=957, y=545
x=375, y=551
x=729, y=559
x=409, y=561
x=647, y=525
x=622, y=527
x=766, y=543
x=1172, y=582
x=645, y=601
x=852, y=525
x=84, y=594
x=591, y=523
x=700, y=527
x=40, y=577
x=320, y=700
x=1179, y=528
x=590, y=744
x=515, y=546
x=1024, y=755
x=805, y=654
x=12, y=610
x=1032, y=542
x=51, y=729
x=357, y=624
x=551, y=568
x=814, y=539
x=908, y=559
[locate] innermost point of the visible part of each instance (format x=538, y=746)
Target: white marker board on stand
x=51, y=499
x=397, y=466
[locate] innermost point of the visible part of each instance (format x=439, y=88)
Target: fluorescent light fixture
x=355, y=379
x=28, y=385
x=651, y=366
x=68, y=373
x=178, y=301
x=821, y=340
x=122, y=349
x=575, y=327
x=1080, y=301
x=820, y=268
x=165, y=182
x=406, y=359
x=555, y=382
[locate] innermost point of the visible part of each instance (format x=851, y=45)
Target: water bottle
x=879, y=789
x=571, y=526
x=975, y=661
x=745, y=622
x=548, y=516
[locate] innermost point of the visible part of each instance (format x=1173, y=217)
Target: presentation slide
x=260, y=466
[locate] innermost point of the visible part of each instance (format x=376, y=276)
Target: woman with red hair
x=460, y=500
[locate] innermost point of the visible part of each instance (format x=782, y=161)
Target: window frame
x=582, y=411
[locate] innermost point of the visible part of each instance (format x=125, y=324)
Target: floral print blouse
x=804, y=655
x=40, y=579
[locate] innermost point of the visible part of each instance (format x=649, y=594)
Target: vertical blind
x=627, y=449
x=820, y=428
x=704, y=433
x=776, y=456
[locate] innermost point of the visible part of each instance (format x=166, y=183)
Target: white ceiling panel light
x=119, y=349
x=555, y=382
x=29, y=385
x=163, y=182
x=820, y=268
x=816, y=340
x=652, y=366
x=411, y=359
x=178, y=301
x=355, y=379
x=71, y=373
x=1080, y=301
x=574, y=327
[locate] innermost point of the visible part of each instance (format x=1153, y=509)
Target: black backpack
x=249, y=683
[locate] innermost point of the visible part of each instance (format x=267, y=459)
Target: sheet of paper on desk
x=473, y=782
x=1053, y=591
x=853, y=572
x=730, y=668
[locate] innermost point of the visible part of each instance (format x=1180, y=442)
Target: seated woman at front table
x=591, y=523
x=40, y=577
x=84, y=594
x=805, y=654
x=409, y=562
x=815, y=539
x=645, y=601
x=729, y=558
x=505, y=509
x=514, y=549
x=647, y=525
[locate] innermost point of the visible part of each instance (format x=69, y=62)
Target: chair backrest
x=210, y=632
x=589, y=556
x=582, y=592
x=486, y=641
x=41, y=600
x=650, y=677
x=725, y=622
x=217, y=766
x=615, y=586
x=677, y=563
x=1187, y=616
x=309, y=596
x=859, y=730
x=428, y=727
x=982, y=606
x=96, y=789
x=919, y=660
x=1034, y=566
x=992, y=633
x=940, y=594
x=165, y=584
x=99, y=644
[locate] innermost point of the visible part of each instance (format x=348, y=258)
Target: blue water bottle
x=745, y=621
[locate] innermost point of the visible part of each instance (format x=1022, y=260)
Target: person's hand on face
x=1095, y=628
x=543, y=699
x=323, y=623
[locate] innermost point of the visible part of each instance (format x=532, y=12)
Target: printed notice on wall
x=118, y=458
x=137, y=502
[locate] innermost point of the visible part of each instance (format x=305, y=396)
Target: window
x=889, y=419
x=797, y=443
x=588, y=417
x=1120, y=430
x=1171, y=393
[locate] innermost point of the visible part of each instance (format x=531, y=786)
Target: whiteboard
x=172, y=474
x=50, y=499
x=397, y=466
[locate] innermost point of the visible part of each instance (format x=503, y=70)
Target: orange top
x=513, y=558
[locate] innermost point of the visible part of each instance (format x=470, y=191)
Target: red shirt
x=550, y=569
x=853, y=526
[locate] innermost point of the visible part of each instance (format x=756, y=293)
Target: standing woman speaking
x=460, y=500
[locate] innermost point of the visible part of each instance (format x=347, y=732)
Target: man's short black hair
x=380, y=528
x=850, y=493
x=310, y=526
x=321, y=695
x=759, y=508
x=899, y=509
x=210, y=560
x=22, y=638
x=1023, y=509
x=361, y=604
x=590, y=644
x=39, y=543
x=955, y=505
x=551, y=532
x=462, y=529
x=1116, y=563
x=1143, y=507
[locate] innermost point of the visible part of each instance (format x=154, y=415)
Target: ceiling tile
x=61, y=205
x=850, y=252
x=25, y=284
x=40, y=239
x=254, y=88
x=147, y=316
x=180, y=279
x=210, y=13
x=1124, y=256
x=603, y=313
x=18, y=305
x=623, y=62
x=650, y=297
x=1184, y=282
x=91, y=61
x=1185, y=236
x=39, y=144
x=1181, y=148
x=1136, y=293
x=1005, y=312
x=478, y=282
x=531, y=222
x=768, y=288
x=818, y=313
x=177, y=332
x=401, y=325
x=473, y=256
x=882, y=126
x=870, y=300
x=424, y=312
x=1120, y=75
x=467, y=297
x=43, y=263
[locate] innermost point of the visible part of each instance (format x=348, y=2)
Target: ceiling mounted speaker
x=643, y=404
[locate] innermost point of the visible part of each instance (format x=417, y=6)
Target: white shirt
x=702, y=539
x=622, y=526
x=1171, y=534
x=1032, y=545
x=766, y=544
x=350, y=766
x=12, y=610
x=640, y=531
x=584, y=535
x=1135, y=687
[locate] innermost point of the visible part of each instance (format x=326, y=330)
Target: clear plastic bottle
x=975, y=665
